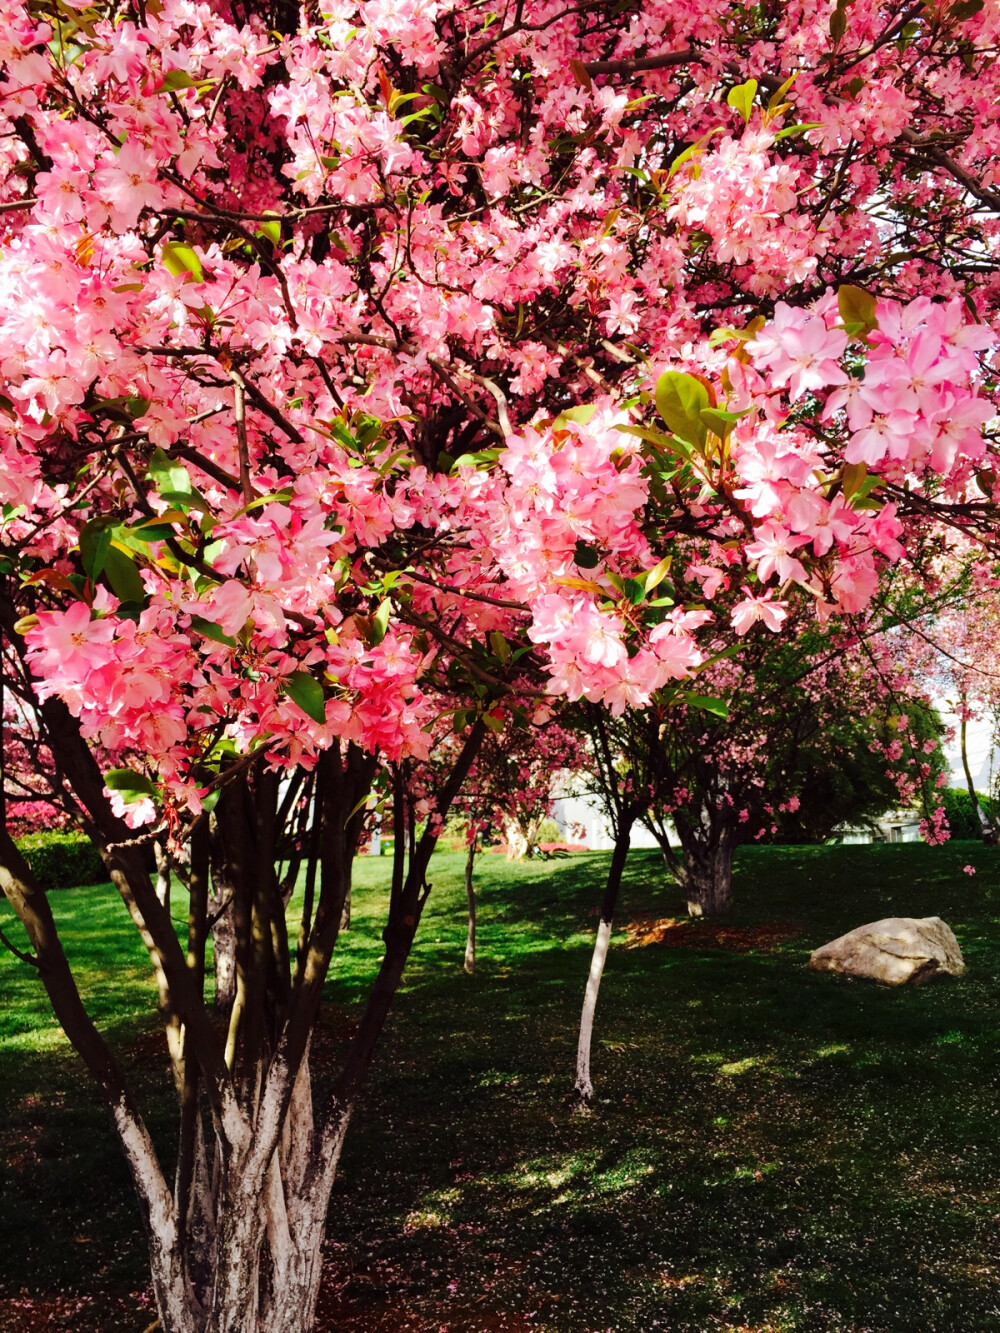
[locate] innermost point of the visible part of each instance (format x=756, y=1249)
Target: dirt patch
x=682, y=933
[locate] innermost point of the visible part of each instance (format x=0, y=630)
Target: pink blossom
x=746, y=613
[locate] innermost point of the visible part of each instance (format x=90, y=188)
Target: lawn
x=771, y=1149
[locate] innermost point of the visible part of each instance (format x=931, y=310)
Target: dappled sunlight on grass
x=770, y=1149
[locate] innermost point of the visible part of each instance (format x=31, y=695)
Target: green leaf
x=210, y=801
x=167, y=476
x=789, y=130
x=671, y=444
x=838, y=23
x=680, y=401
x=965, y=9
x=691, y=152
x=494, y=724
x=778, y=97
x=857, y=309
x=483, y=458
x=95, y=542
x=307, y=692
x=179, y=259
x=741, y=98
x=852, y=478
x=380, y=622
x=635, y=590
x=719, y=421
x=270, y=231
x=499, y=646
x=133, y=786
x=580, y=415
x=707, y=704
x=210, y=630
x=658, y=573
x=122, y=573
x=158, y=529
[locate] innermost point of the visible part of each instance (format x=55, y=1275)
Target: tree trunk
x=345, y=916
x=470, y=894
x=708, y=873
x=162, y=875
x=583, y=1091
x=223, y=925
x=986, y=827
x=236, y=1245
x=516, y=839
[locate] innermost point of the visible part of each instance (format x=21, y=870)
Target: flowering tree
x=511, y=786
x=367, y=364
x=960, y=663
x=819, y=728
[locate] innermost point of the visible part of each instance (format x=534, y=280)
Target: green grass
x=771, y=1150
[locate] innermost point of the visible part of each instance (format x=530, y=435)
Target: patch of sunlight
x=757, y=1172
x=551, y=1172
x=496, y=1078
x=425, y=1219
x=633, y=1167
x=835, y=1048
x=953, y=1038
x=734, y=1067
x=708, y=1058
x=672, y=1283
x=39, y=1039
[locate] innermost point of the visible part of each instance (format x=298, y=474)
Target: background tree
x=510, y=788
x=815, y=733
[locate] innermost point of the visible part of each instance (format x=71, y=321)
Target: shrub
x=63, y=859
x=962, y=818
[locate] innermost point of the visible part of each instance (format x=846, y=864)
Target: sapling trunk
x=470, y=895
x=583, y=1091
x=987, y=831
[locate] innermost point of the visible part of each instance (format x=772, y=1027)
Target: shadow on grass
x=771, y=1149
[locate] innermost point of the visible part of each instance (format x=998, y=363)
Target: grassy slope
x=772, y=1149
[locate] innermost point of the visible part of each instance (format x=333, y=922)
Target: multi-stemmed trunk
x=705, y=870
x=235, y=1240
x=708, y=874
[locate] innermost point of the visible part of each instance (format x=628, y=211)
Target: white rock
x=897, y=950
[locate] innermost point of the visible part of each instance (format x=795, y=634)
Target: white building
x=581, y=819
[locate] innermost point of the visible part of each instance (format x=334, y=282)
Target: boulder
x=894, y=951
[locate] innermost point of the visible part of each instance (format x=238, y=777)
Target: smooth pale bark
x=516, y=839
x=583, y=1090
x=470, y=896
x=162, y=875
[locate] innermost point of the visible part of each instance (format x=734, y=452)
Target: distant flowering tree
x=381, y=361
x=508, y=793
x=961, y=664
x=818, y=730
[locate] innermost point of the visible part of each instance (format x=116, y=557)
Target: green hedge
x=63, y=860
x=962, y=818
